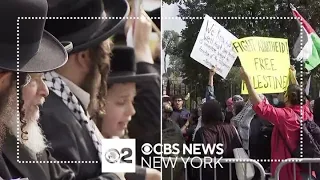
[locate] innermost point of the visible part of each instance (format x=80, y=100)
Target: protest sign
x=266, y=60
x=213, y=47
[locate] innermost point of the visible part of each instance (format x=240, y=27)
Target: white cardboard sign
x=213, y=47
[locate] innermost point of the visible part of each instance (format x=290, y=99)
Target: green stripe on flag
x=314, y=60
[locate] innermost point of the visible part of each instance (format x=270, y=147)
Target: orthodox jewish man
x=74, y=86
x=119, y=107
x=21, y=140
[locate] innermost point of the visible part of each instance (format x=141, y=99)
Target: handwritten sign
x=267, y=62
x=213, y=47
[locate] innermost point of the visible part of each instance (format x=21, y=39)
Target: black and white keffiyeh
x=242, y=122
x=59, y=87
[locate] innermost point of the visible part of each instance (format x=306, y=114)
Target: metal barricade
x=229, y=161
x=295, y=161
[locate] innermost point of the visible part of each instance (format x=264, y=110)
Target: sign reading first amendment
x=267, y=62
x=213, y=47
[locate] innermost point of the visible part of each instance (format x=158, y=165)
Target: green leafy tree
x=193, y=72
x=170, y=42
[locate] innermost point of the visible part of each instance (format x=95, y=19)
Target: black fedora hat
x=85, y=23
x=24, y=44
x=123, y=67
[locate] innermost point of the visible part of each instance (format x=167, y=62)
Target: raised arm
x=261, y=106
x=210, y=89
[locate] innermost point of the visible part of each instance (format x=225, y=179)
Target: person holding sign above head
x=286, y=121
x=267, y=59
x=76, y=87
x=119, y=107
x=208, y=96
x=145, y=125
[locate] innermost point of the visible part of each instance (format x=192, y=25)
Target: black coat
x=10, y=168
x=70, y=140
x=145, y=125
x=221, y=133
x=147, y=105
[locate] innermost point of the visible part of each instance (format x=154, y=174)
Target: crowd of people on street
x=266, y=128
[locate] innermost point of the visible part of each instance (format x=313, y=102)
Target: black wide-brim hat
x=24, y=45
x=86, y=23
x=123, y=67
x=49, y=56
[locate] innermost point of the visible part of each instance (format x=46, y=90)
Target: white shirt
x=83, y=97
x=81, y=94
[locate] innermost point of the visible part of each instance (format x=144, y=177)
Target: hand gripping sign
x=267, y=62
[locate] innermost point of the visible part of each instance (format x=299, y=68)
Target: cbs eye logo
x=113, y=155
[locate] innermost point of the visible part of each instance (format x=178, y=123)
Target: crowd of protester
x=269, y=128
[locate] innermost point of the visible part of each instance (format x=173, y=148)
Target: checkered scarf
x=243, y=120
x=56, y=85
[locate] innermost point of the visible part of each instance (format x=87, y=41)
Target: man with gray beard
x=20, y=161
x=22, y=91
x=4, y=104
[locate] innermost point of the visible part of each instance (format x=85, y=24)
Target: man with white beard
x=21, y=83
x=19, y=161
x=30, y=131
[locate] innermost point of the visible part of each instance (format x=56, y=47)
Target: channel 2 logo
x=114, y=156
x=118, y=155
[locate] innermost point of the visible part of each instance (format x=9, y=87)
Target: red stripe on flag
x=305, y=24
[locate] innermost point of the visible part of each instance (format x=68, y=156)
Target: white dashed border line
x=301, y=93
x=167, y=18
x=65, y=162
x=18, y=93
x=265, y=160
x=170, y=18
x=231, y=18
x=160, y=18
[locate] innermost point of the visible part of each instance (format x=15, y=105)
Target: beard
x=92, y=85
x=6, y=110
x=35, y=140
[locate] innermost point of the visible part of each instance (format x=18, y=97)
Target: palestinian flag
x=307, y=47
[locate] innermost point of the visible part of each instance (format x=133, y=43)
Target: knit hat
x=237, y=98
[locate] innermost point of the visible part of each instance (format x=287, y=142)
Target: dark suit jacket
x=147, y=104
x=145, y=125
x=10, y=168
x=70, y=140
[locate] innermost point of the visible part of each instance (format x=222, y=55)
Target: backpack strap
x=236, y=131
x=285, y=142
